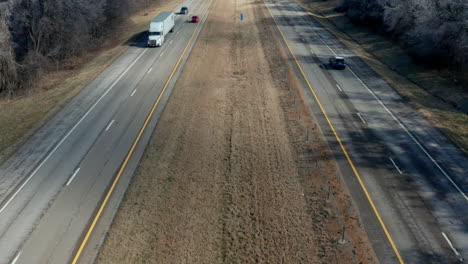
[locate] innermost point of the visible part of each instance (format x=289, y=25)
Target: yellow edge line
x=374, y=208
x=135, y=143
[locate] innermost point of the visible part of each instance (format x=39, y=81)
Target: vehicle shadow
x=137, y=40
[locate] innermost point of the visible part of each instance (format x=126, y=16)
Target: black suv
x=337, y=63
x=184, y=10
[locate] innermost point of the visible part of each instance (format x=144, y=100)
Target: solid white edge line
x=339, y=88
x=150, y=70
x=451, y=245
x=394, y=117
x=73, y=176
x=110, y=124
x=133, y=92
x=16, y=258
x=394, y=164
x=362, y=119
x=68, y=134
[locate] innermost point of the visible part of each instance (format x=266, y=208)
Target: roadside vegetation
x=437, y=89
x=435, y=32
x=43, y=36
x=37, y=82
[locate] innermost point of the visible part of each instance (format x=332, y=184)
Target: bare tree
x=8, y=78
x=434, y=30
x=38, y=34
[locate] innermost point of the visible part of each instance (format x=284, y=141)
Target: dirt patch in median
x=235, y=171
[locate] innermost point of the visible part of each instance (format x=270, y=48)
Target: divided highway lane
x=416, y=178
x=43, y=218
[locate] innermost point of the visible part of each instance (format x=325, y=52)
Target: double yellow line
x=348, y=158
x=135, y=143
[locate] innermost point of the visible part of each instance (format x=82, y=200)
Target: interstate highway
x=414, y=177
x=52, y=187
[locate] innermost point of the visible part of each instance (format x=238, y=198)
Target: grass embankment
x=434, y=93
x=20, y=116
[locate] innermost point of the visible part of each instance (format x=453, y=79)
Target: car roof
x=339, y=58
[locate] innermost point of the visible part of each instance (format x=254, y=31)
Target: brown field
x=236, y=172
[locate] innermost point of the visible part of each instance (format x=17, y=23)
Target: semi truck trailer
x=160, y=26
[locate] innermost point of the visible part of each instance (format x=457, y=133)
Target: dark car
x=337, y=63
x=184, y=10
x=194, y=19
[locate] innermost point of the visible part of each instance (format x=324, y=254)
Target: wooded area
x=434, y=31
x=36, y=36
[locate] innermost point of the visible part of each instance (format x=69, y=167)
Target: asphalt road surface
x=415, y=177
x=52, y=187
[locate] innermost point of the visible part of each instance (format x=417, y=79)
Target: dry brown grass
x=430, y=91
x=22, y=115
x=230, y=175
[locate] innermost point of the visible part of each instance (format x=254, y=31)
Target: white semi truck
x=160, y=26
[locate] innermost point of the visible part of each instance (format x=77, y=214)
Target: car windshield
x=194, y=17
x=155, y=33
x=340, y=60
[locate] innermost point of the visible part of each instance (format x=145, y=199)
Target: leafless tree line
x=36, y=35
x=435, y=31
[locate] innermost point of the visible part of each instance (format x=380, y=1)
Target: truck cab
x=155, y=36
